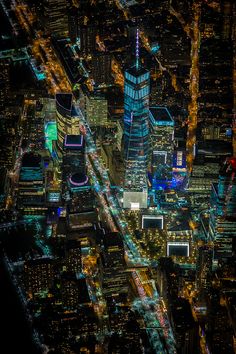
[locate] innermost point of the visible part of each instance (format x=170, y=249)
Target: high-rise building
x=7, y=142
x=31, y=187
x=33, y=125
x=4, y=186
x=96, y=110
x=88, y=39
x=82, y=197
x=113, y=251
x=4, y=82
x=73, y=256
x=55, y=17
x=73, y=155
x=209, y=156
x=217, y=41
x=73, y=22
x=222, y=223
x=136, y=132
x=101, y=69
x=7, y=121
x=80, y=202
x=162, y=135
x=74, y=291
x=115, y=280
x=203, y=269
x=77, y=191
x=39, y=275
x=185, y=328
x=67, y=119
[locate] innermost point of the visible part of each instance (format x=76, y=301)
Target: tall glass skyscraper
x=136, y=115
x=136, y=131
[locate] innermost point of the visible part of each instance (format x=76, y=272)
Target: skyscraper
x=101, y=69
x=222, y=224
x=203, y=268
x=56, y=18
x=87, y=39
x=73, y=256
x=73, y=155
x=67, y=120
x=39, y=275
x=4, y=82
x=136, y=130
x=73, y=29
x=96, y=110
x=162, y=129
x=31, y=189
x=82, y=197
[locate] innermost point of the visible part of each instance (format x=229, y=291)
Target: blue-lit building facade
x=136, y=135
x=222, y=224
x=31, y=186
x=162, y=147
x=136, y=114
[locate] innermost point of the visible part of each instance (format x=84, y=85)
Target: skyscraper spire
x=137, y=50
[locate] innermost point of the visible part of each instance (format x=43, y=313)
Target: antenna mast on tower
x=137, y=50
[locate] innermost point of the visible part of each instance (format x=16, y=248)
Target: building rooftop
x=64, y=100
x=160, y=116
x=3, y=176
x=83, y=294
x=214, y=147
x=83, y=291
x=181, y=222
x=31, y=160
x=182, y=315
x=73, y=244
x=82, y=220
x=78, y=180
x=34, y=262
x=113, y=239
x=74, y=142
x=137, y=72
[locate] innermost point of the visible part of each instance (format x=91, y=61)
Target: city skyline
x=117, y=176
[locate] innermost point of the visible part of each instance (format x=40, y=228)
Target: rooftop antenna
x=137, y=50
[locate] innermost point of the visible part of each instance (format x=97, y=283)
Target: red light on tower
x=232, y=162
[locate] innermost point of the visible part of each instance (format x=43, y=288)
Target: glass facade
x=136, y=115
x=67, y=122
x=31, y=189
x=136, y=126
x=162, y=138
x=136, y=136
